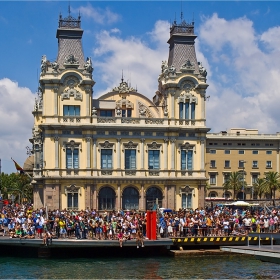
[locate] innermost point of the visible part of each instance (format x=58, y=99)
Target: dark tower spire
x=182, y=49
x=69, y=35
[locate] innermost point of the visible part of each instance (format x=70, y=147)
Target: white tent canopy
x=240, y=203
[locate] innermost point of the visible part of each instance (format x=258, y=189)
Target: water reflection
x=195, y=267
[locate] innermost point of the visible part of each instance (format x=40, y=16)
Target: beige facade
x=122, y=150
x=243, y=150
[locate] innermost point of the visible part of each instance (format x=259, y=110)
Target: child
x=139, y=238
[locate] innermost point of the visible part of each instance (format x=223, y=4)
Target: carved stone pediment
x=154, y=146
x=71, y=60
x=187, y=67
x=72, y=189
x=72, y=92
x=186, y=146
x=124, y=103
x=123, y=88
x=106, y=145
x=130, y=145
x=186, y=189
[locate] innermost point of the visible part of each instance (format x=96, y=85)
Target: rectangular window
x=153, y=159
x=268, y=164
x=187, y=104
x=212, y=151
x=255, y=164
x=241, y=164
x=106, y=113
x=255, y=152
x=241, y=152
x=227, y=163
x=212, y=163
x=254, y=178
x=72, y=200
x=72, y=158
x=212, y=179
x=128, y=113
x=123, y=113
x=227, y=152
x=106, y=159
x=192, y=110
x=130, y=159
x=269, y=152
x=190, y=160
x=71, y=110
x=181, y=110
x=186, y=200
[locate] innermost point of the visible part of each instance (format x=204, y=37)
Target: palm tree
x=272, y=179
x=260, y=187
x=235, y=182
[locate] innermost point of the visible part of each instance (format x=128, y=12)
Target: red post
x=151, y=227
x=148, y=225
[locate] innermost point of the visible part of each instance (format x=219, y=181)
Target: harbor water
x=182, y=267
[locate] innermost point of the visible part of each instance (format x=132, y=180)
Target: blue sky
x=238, y=42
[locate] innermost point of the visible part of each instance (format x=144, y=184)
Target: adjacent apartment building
x=243, y=150
x=120, y=150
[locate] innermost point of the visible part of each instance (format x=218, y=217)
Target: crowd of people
x=25, y=222
x=22, y=221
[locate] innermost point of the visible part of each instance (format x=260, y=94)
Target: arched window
x=152, y=195
x=106, y=199
x=213, y=194
x=130, y=199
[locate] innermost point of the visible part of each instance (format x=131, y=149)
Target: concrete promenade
x=270, y=252
x=62, y=243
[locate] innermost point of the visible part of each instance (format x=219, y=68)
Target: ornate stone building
x=121, y=150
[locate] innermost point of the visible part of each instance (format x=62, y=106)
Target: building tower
x=182, y=91
x=62, y=107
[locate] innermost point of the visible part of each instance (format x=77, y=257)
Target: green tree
x=235, y=182
x=272, y=179
x=16, y=184
x=260, y=187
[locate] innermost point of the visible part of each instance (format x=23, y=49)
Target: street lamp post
x=243, y=168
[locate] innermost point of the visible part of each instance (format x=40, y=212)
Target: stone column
x=55, y=90
x=173, y=140
x=165, y=153
x=165, y=204
x=118, y=202
x=95, y=204
x=142, y=152
x=94, y=155
x=202, y=160
x=172, y=113
x=142, y=201
x=88, y=151
x=56, y=151
x=119, y=153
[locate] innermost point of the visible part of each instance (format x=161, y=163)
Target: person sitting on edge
x=120, y=237
x=47, y=240
x=139, y=238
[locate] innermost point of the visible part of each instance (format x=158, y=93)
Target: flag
x=18, y=167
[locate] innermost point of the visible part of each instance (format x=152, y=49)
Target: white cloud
x=140, y=63
x=244, y=86
x=101, y=16
x=16, y=122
